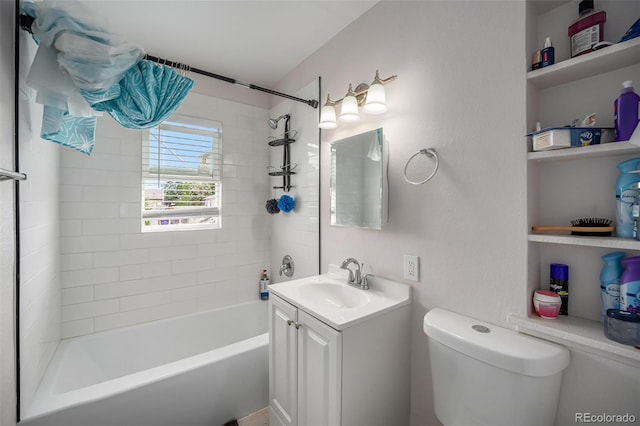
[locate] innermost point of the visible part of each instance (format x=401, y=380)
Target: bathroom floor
x=259, y=418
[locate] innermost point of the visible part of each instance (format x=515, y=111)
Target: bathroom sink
x=334, y=295
x=329, y=297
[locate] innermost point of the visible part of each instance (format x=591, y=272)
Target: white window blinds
x=182, y=174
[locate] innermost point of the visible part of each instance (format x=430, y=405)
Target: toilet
x=488, y=375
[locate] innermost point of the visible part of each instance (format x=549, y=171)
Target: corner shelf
x=285, y=141
x=610, y=58
x=283, y=173
x=280, y=142
x=576, y=332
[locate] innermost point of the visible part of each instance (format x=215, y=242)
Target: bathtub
x=199, y=369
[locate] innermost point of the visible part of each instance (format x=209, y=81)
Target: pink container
x=547, y=304
x=586, y=32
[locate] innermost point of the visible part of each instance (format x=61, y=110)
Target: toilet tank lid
x=498, y=346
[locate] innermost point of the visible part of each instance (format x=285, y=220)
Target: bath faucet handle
x=288, y=267
x=365, y=282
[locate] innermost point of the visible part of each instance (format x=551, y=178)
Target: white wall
x=113, y=275
x=461, y=89
x=7, y=228
x=39, y=238
x=297, y=233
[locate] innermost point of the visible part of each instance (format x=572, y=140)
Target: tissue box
x=566, y=137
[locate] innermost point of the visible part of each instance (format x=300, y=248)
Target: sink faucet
x=355, y=279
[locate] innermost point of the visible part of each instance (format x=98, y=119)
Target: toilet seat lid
x=498, y=346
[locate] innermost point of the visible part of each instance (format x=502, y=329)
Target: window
x=182, y=175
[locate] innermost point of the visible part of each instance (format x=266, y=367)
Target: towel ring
x=429, y=152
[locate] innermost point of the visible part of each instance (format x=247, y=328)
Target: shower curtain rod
x=26, y=21
x=313, y=103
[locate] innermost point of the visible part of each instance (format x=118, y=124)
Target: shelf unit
x=607, y=59
x=285, y=141
x=582, y=330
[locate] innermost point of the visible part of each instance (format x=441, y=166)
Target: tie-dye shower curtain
x=81, y=69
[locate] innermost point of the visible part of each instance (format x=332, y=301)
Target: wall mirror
x=358, y=181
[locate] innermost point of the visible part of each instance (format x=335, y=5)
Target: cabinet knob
x=298, y=325
x=289, y=322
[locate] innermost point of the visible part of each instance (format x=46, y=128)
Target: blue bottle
x=610, y=283
x=627, y=194
x=559, y=284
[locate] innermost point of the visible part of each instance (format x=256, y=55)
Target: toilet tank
x=488, y=375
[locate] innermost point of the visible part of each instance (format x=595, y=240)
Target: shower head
x=273, y=122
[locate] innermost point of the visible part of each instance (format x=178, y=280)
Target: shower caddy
x=286, y=169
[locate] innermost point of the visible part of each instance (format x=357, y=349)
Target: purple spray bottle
x=625, y=112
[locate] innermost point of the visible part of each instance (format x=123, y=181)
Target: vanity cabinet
x=575, y=183
x=322, y=376
x=304, y=367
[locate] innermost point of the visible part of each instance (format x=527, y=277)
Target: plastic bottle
x=610, y=283
x=559, y=284
x=627, y=195
x=630, y=285
x=625, y=112
x=548, y=53
x=587, y=30
x=264, y=282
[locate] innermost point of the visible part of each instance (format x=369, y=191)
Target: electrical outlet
x=411, y=267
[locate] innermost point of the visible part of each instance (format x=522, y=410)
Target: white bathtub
x=200, y=369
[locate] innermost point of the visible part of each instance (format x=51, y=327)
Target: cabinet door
x=319, y=372
x=283, y=378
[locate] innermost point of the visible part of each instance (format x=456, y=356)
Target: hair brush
x=593, y=226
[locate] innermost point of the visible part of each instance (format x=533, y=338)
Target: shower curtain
x=81, y=69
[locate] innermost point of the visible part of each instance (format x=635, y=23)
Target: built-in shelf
x=576, y=332
x=577, y=240
x=610, y=58
x=583, y=152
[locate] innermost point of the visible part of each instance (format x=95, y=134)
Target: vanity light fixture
x=371, y=98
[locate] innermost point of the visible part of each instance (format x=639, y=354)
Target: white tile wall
x=113, y=275
x=297, y=233
x=39, y=241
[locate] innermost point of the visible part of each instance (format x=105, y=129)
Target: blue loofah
x=286, y=203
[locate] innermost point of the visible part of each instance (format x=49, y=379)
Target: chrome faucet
x=355, y=279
